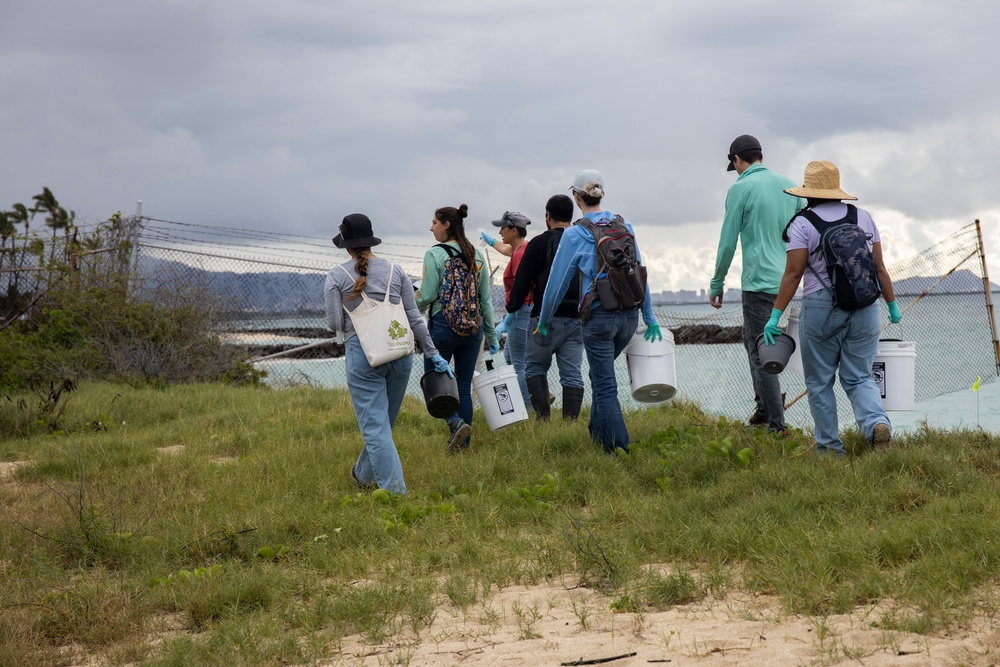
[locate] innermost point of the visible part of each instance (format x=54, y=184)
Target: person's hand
x=542, y=328
x=490, y=241
x=502, y=327
x=653, y=333
x=508, y=322
x=895, y=315
x=715, y=301
x=441, y=366
x=494, y=348
x=771, y=328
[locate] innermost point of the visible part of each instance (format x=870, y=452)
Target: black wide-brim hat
x=356, y=232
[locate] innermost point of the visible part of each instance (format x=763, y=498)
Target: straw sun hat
x=821, y=181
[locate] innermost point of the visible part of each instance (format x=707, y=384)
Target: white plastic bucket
x=893, y=371
x=651, y=370
x=792, y=331
x=499, y=396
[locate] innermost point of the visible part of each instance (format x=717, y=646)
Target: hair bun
x=594, y=189
x=463, y=212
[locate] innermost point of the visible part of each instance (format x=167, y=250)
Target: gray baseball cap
x=512, y=219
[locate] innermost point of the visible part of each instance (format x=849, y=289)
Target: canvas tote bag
x=381, y=326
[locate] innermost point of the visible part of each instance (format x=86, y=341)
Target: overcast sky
x=287, y=115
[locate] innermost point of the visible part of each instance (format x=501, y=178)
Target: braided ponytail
x=361, y=266
x=784, y=233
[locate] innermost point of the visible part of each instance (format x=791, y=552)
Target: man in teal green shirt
x=757, y=210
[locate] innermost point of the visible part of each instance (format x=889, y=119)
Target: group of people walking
x=564, y=298
x=782, y=237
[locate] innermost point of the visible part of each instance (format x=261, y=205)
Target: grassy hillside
x=221, y=522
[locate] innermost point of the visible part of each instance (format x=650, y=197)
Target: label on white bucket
x=504, y=401
x=878, y=374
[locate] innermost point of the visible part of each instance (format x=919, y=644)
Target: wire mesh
x=271, y=289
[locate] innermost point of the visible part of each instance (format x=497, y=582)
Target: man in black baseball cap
x=742, y=144
x=757, y=210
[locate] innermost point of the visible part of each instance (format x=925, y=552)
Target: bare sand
x=553, y=625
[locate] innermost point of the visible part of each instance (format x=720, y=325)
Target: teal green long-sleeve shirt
x=757, y=210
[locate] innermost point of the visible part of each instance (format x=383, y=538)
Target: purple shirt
x=802, y=235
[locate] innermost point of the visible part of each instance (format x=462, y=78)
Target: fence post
x=989, y=296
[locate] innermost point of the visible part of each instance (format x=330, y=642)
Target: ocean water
x=953, y=344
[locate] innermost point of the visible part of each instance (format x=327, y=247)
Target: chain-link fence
x=271, y=289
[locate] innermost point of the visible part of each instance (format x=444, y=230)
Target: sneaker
x=357, y=482
x=758, y=418
x=460, y=432
x=881, y=436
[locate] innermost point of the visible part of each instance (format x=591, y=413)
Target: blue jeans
x=465, y=350
x=757, y=308
x=605, y=336
x=376, y=394
x=517, y=339
x=565, y=340
x=831, y=337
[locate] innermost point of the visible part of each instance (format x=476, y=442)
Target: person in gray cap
x=757, y=209
x=513, y=233
x=606, y=329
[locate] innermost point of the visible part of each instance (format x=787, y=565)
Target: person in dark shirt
x=564, y=338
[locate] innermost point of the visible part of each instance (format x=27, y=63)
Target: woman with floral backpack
x=456, y=289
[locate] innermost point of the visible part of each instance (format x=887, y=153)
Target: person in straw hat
x=830, y=336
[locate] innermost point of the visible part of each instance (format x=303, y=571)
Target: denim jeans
x=465, y=350
x=376, y=394
x=605, y=336
x=830, y=336
x=757, y=308
x=517, y=339
x=565, y=340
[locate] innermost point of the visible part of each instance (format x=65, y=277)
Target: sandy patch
x=172, y=449
x=553, y=626
x=8, y=468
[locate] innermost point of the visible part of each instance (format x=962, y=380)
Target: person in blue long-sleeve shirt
x=605, y=332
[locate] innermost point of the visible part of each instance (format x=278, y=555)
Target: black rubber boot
x=572, y=400
x=538, y=389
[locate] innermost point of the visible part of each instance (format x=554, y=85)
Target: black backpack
x=850, y=264
x=620, y=283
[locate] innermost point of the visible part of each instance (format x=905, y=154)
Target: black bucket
x=440, y=394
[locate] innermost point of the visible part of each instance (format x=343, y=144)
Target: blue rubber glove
x=542, y=328
x=895, y=316
x=490, y=241
x=771, y=328
x=441, y=366
x=494, y=348
x=508, y=322
x=653, y=332
x=502, y=327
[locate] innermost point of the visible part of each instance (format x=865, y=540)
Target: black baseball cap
x=744, y=142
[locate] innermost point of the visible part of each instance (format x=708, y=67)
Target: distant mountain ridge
x=283, y=292
x=279, y=292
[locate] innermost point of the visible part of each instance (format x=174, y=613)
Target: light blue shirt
x=577, y=253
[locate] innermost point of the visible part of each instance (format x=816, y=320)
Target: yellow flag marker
x=975, y=385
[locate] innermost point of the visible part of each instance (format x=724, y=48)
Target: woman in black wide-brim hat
x=376, y=391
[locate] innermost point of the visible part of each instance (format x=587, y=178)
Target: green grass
x=251, y=538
